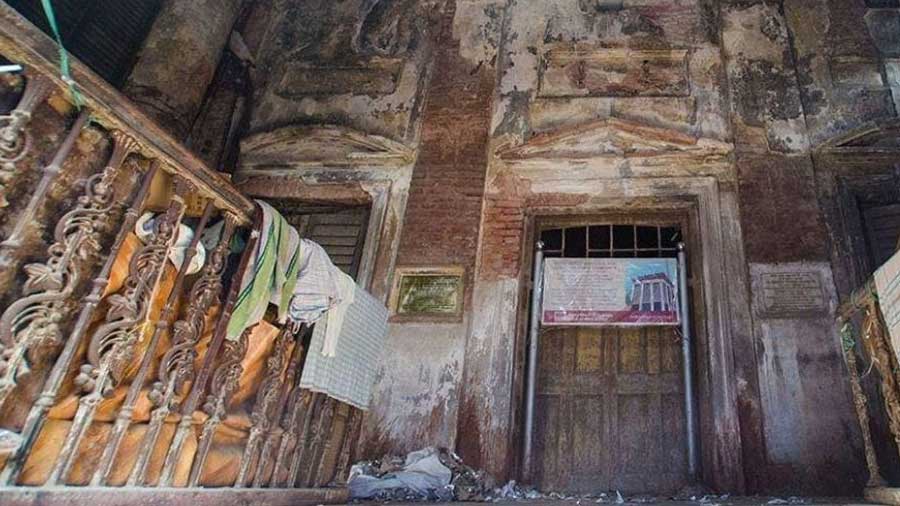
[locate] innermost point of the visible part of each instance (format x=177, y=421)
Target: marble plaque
x=790, y=291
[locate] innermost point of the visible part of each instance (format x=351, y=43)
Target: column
x=179, y=59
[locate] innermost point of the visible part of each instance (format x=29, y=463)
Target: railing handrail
x=22, y=41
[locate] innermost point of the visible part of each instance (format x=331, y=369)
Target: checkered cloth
x=887, y=284
x=349, y=375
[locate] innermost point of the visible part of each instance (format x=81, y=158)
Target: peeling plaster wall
x=800, y=72
x=357, y=63
x=441, y=229
x=676, y=42
x=519, y=108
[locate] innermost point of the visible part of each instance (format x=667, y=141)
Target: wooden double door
x=610, y=411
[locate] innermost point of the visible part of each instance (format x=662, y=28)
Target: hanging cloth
x=270, y=275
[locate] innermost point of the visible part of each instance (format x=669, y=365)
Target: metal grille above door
x=104, y=34
x=612, y=241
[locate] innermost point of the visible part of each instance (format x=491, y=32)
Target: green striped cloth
x=270, y=275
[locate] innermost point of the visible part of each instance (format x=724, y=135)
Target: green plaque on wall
x=428, y=292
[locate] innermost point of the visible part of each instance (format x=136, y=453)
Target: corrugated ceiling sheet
x=104, y=34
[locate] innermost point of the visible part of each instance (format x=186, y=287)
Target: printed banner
x=610, y=291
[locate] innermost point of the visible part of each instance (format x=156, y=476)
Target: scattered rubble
x=436, y=474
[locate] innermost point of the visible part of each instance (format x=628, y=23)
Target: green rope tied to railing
x=65, y=71
x=848, y=340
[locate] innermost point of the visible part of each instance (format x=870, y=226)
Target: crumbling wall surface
x=589, y=92
x=340, y=93
x=518, y=108
x=358, y=64
x=417, y=398
x=800, y=73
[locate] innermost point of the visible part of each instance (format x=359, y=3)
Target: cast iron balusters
x=96, y=206
x=296, y=413
x=266, y=397
x=224, y=383
x=177, y=365
x=320, y=440
x=31, y=328
x=275, y=425
x=15, y=142
x=25, y=218
x=313, y=402
x=348, y=448
x=860, y=403
x=199, y=384
x=113, y=345
x=126, y=410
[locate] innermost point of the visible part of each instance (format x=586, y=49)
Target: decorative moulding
x=376, y=76
x=317, y=146
x=614, y=138
x=874, y=144
x=580, y=70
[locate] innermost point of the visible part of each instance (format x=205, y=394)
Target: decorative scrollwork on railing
x=31, y=328
x=15, y=141
x=268, y=394
x=224, y=384
x=277, y=425
x=113, y=345
x=293, y=419
x=37, y=415
x=320, y=442
x=305, y=431
x=177, y=365
x=126, y=410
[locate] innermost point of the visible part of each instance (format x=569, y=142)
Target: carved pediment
x=304, y=146
x=614, y=138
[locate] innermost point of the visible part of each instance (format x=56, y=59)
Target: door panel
x=609, y=411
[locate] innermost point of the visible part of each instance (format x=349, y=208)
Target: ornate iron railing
x=103, y=340
x=864, y=336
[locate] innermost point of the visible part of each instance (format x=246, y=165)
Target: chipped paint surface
x=511, y=109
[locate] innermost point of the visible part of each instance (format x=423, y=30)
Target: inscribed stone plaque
x=790, y=293
x=429, y=292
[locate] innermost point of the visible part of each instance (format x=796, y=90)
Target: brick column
x=443, y=212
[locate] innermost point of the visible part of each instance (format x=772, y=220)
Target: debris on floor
x=436, y=474
x=430, y=474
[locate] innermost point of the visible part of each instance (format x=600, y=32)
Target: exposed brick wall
x=444, y=208
x=504, y=218
x=504, y=223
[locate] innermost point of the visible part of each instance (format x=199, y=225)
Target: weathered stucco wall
x=502, y=110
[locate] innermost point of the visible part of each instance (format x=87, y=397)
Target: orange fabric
x=229, y=439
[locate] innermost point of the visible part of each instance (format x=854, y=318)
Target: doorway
x=610, y=400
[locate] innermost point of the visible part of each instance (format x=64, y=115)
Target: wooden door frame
x=717, y=263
